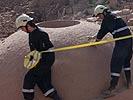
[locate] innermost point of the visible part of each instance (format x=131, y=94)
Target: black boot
x=128, y=84
x=108, y=91
x=54, y=96
x=128, y=78
x=113, y=84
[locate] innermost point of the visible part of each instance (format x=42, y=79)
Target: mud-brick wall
x=78, y=74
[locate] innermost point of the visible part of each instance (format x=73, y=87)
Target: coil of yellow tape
x=30, y=63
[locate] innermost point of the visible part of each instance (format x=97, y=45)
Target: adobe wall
x=78, y=74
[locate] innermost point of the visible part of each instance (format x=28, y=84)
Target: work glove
x=31, y=58
x=97, y=40
x=91, y=37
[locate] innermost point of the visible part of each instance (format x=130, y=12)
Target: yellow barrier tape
x=88, y=44
x=29, y=64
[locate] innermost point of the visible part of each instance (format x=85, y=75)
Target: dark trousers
x=120, y=59
x=40, y=75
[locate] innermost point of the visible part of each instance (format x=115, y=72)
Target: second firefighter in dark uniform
x=122, y=52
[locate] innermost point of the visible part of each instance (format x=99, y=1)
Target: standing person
x=41, y=74
x=122, y=52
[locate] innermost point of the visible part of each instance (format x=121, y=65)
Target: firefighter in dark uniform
x=41, y=74
x=122, y=52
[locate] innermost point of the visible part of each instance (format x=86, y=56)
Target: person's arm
x=46, y=40
x=35, y=42
x=92, y=37
x=102, y=32
x=32, y=47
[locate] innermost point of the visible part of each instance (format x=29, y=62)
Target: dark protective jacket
x=116, y=26
x=39, y=40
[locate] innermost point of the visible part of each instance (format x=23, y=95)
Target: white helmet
x=22, y=20
x=99, y=9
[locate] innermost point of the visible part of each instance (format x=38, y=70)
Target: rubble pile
x=46, y=10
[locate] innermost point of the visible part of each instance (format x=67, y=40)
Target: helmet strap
x=106, y=11
x=27, y=28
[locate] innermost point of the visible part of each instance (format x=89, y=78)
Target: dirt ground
x=78, y=74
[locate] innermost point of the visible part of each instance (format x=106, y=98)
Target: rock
x=91, y=19
x=130, y=22
x=126, y=11
x=99, y=2
x=119, y=12
x=113, y=3
x=124, y=17
x=130, y=16
x=122, y=12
